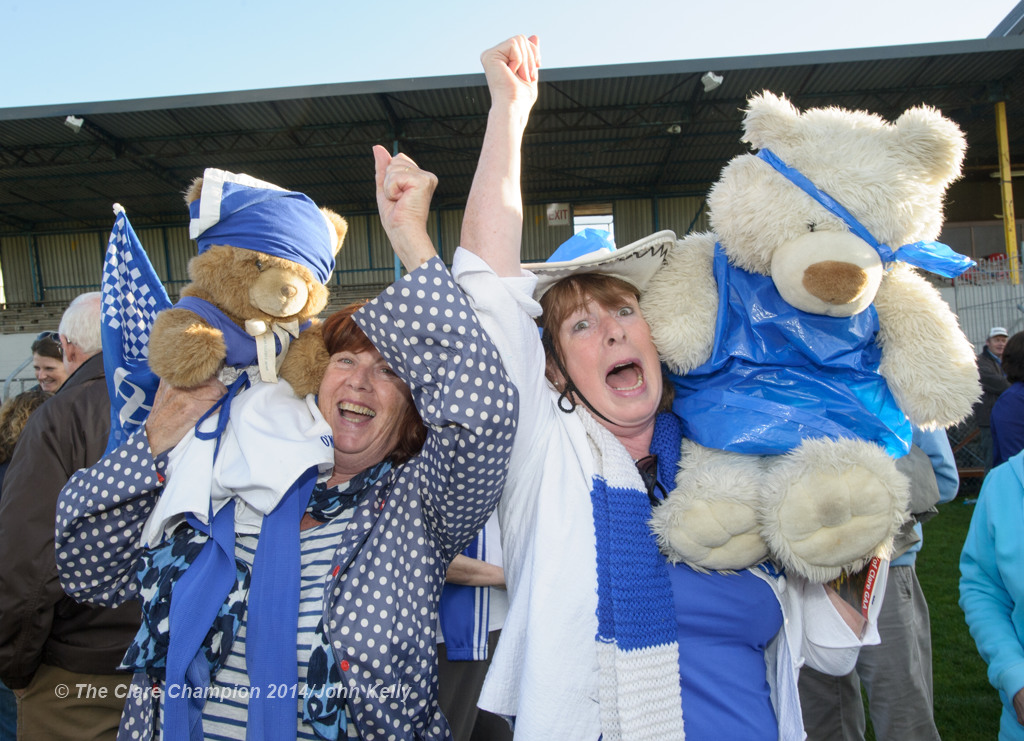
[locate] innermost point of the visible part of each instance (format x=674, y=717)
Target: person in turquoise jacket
x=992, y=587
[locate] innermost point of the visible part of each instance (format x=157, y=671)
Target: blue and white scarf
x=637, y=650
x=162, y=569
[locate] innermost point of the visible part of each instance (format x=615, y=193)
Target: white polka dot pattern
x=388, y=570
x=100, y=513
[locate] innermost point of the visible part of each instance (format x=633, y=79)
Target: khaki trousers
x=59, y=705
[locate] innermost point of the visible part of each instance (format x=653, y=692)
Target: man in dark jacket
x=993, y=383
x=60, y=657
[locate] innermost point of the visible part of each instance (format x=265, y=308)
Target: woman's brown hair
x=47, y=344
x=14, y=415
x=573, y=293
x=342, y=334
x=1013, y=358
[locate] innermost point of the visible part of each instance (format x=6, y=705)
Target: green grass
x=967, y=707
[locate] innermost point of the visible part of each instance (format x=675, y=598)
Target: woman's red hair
x=342, y=334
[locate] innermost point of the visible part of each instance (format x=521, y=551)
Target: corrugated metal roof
x=596, y=132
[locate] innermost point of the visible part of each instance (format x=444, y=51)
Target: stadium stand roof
x=636, y=130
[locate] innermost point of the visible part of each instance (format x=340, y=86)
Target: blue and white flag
x=132, y=297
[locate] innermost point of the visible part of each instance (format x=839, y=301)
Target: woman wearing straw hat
x=604, y=637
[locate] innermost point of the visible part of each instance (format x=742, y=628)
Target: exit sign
x=558, y=214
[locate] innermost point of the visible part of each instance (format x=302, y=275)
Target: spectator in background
x=473, y=608
x=13, y=417
x=896, y=673
x=993, y=383
x=1007, y=418
x=992, y=588
x=48, y=361
x=47, y=639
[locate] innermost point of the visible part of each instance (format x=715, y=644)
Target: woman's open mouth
x=625, y=377
x=355, y=412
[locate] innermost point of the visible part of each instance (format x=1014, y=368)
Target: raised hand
x=492, y=226
x=511, y=70
x=403, y=200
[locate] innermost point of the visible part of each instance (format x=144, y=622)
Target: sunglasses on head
x=53, y=337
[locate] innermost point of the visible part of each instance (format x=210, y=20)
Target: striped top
x=226, y=709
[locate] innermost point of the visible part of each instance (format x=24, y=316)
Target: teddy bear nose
x=835, y=282
x=288, y=291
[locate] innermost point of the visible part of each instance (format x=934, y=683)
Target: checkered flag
x=132, y=296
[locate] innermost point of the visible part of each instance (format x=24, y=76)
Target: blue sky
x=57, y=51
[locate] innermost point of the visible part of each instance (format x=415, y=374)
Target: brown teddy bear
x=265, y=255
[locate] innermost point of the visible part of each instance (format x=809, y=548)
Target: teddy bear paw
x=184, y=350
x=711, y=519
x=711, y=535
x=831, y=506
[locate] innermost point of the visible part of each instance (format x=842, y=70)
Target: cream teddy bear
x=803, y=345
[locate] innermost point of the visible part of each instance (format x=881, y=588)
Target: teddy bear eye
x=259, y=264
x=811, y=226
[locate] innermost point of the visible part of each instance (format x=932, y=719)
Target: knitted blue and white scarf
x=637, y=651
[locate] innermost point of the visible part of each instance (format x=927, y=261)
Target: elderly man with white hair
x=59, y=656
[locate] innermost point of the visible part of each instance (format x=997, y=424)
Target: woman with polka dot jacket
x=421, y=418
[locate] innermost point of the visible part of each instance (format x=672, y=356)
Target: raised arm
x=493, y=224
x=403, y=200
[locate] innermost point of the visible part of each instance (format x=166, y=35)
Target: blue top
x=1008, y=424
x=778, y=375
x=992, y=585
x=935, y=445
x=725, y=621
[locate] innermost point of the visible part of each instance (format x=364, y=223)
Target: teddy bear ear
x=194, y=190
x=931, y=144
x=339, y=223
x=769, y=118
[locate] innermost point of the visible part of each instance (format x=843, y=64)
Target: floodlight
x=711, y=81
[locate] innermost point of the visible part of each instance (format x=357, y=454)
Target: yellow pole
x=1005, y=186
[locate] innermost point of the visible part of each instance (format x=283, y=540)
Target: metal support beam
x=1006, y=190
x=169, y=277
x=37, y=277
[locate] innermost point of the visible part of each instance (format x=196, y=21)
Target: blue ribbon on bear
x=935, y=257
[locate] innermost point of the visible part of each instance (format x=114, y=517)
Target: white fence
x=985, y=297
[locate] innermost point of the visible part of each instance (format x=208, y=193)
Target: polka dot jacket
x=381, y=595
